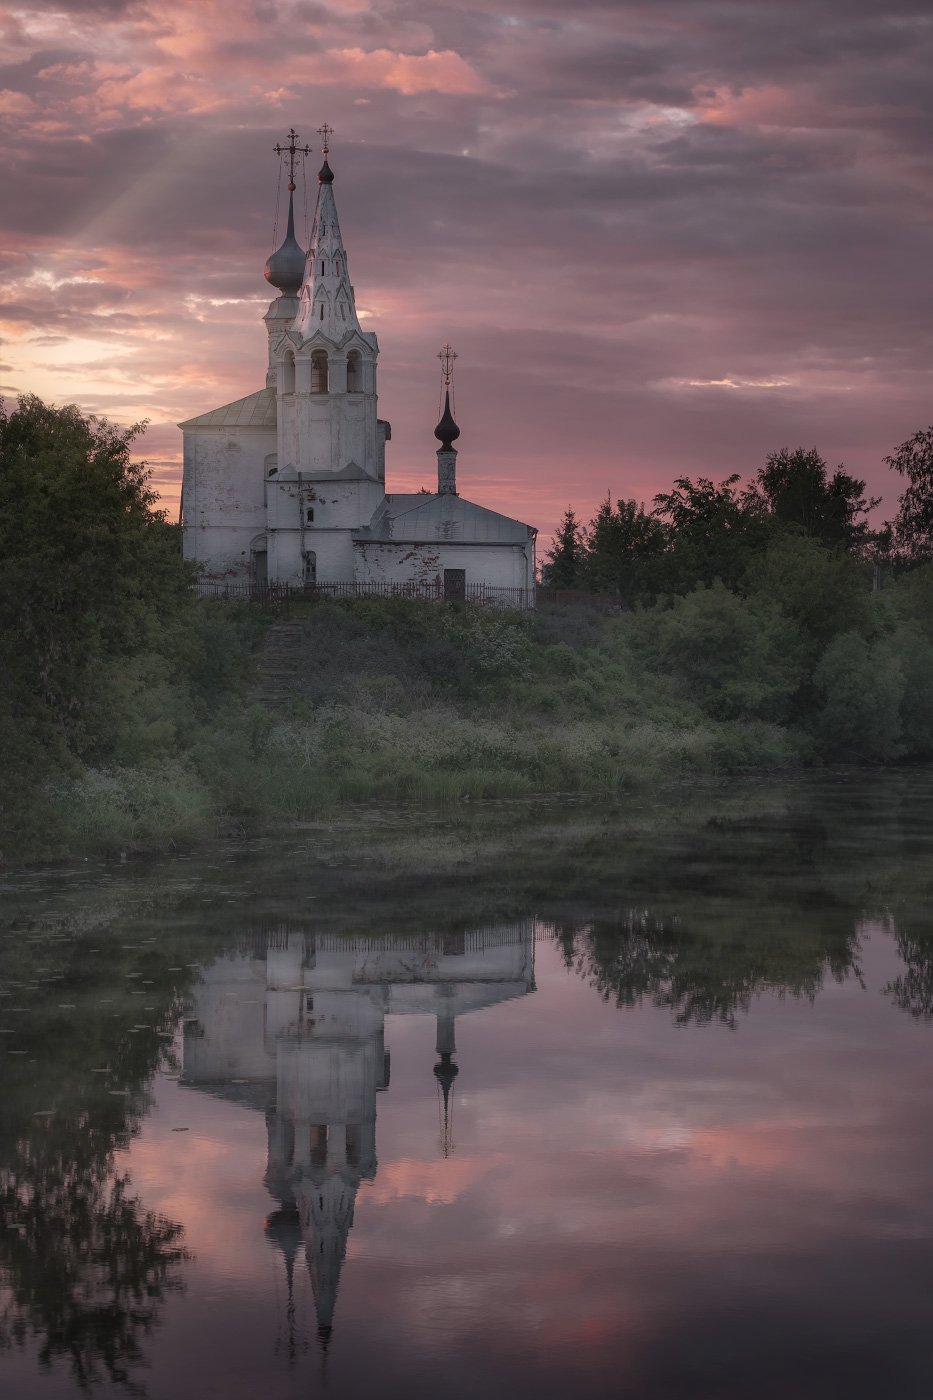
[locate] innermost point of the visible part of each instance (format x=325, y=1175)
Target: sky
x=666, y=237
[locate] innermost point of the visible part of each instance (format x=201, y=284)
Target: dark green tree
x=796, y=489
x=624, y=547
x=913, y=525
x=89, y=568
x=566, y=556
x=714, y=532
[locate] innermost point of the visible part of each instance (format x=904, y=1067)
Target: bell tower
x=325, y=363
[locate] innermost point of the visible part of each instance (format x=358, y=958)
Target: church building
x=288, y=485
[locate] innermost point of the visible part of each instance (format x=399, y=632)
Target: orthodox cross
x=325, y=132
x=447, y=357
x=293, y=151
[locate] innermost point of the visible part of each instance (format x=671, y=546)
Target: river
x=515, y=1100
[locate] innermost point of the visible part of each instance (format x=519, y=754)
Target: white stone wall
x=339, y=507
x=223, y=497
x=496, y=565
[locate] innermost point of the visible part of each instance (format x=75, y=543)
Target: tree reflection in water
x=84, y=1266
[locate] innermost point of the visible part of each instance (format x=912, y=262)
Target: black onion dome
x=447, y=431
x=325, y=174
x=286, y=268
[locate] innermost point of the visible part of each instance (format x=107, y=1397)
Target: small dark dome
x=447, y=431
x=286, y=268
x=325, y=174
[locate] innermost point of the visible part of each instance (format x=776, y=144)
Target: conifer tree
x=566, y=556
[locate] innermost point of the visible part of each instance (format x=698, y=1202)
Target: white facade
x=288, y=484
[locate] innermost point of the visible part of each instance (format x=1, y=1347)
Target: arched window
x=319, y=372
x=354, y=373
x=310, y=515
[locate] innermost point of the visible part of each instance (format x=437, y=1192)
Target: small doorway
x=455, y=585
x=310, y=570
x=260, y=568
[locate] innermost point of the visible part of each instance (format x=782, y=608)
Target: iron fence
x=281, y=594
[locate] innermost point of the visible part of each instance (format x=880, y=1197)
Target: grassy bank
x=398, y=700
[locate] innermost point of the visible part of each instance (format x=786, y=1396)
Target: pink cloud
x=406, y=73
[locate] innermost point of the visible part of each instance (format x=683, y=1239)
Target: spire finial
x=447, y=357
x=325, y=174
x=293, y=150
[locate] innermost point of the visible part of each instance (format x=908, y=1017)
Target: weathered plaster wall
x=223, y=496
x=496, y=565
x=339, y=507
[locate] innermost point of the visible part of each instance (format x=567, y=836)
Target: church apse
x=293, y=1027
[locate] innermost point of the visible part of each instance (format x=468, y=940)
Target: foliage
x=89, y=569
x=715, y=531
x=862, y=688
x=565, y=558
x=736, y=658
x=913, y=525
x=624, y=549
x=795, y=488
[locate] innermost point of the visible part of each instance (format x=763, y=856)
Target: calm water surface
x=515, y=1102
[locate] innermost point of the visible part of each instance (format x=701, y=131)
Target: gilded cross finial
x=447, y=357
x=325, y=132
x=293, y=150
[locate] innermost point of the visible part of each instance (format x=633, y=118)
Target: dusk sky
x=665, y=238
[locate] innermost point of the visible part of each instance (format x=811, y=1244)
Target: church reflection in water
x=294, y=1026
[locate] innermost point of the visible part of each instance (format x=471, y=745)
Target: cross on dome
x=447, y=357
x=293, y=150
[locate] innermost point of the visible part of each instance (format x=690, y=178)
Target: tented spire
x=327, y=302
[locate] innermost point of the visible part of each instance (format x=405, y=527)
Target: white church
x=288, y=484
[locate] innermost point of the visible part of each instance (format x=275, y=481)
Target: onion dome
x=447, y=431
x=325, y=174
x=286, y=268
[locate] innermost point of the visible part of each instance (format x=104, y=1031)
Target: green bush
x=862, y=689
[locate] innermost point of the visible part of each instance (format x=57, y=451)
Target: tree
x=90, y=570
x=913, y=525
x=714, y=532
x=795, y=488
x=565, y=557
x=623, y=547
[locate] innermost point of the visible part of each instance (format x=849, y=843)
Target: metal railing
x=281, y=594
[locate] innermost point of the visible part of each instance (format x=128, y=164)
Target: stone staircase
x=277, y=671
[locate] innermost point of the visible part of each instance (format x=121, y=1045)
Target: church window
x=343, y=312
x=322, y=311
x=319, y=372
x=310, y=515
x=319, y=1145
x=354, y=373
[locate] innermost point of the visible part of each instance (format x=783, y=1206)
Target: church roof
x=420, y=519
x=255, y=411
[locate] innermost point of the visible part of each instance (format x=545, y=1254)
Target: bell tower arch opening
x=319, y=372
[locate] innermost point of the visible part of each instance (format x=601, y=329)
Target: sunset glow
x=666, y=239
